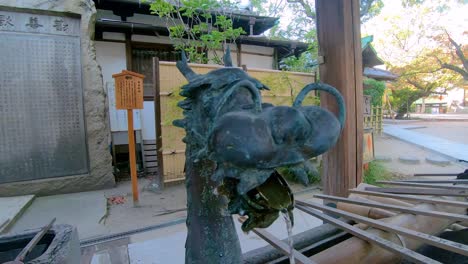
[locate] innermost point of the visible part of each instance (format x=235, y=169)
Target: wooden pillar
x=239, y=54
x=339, y=39
x=128, y=50
x=159, y=181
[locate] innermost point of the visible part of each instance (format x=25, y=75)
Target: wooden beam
x=339, y=39
x=417, y=191
x=157, y=120
x=455, y=217
x=435, y=174
x=369, y=237
x=280, y=245
x=428, y=239
x=412, y=198
x=435, y=186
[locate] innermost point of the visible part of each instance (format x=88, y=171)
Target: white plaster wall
x=111, y=57
x=263, y=61
x=148, y=124
x=257, y=61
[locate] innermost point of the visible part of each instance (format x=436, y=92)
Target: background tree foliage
x=198, y=26
x=301, y=25
x=420, y=78
x=375, y=89
x=415, y=45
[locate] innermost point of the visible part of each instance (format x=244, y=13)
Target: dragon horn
x=185, y=69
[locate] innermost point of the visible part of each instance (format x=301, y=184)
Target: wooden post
x=129, y=96
x=128, y=50
x=157, y=118
x=239, y=54
x=131, y=151
x=339, y=38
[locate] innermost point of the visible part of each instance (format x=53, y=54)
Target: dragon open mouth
x=248, y=141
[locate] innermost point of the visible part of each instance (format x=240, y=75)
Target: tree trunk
x=212, y=236
x=423, y=105
x=405, y=106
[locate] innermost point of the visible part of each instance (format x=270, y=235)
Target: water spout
x=289, y=227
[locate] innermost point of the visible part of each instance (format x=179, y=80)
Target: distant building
x=370, y=59
x=450, y=102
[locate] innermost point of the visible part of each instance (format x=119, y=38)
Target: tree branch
x=461, y=56
x=365, y=6
x=307, y=9
x=456, y=69
x=459, y=52
x=415, y=84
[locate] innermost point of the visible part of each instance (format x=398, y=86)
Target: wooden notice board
x=129, y=96
x=128, y=90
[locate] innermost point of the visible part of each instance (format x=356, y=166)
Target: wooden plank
x=416, y=191
x=342, y=165
x=150, y=158
x=436, y=186
x=412, y=198
x=149, y=142
x=150, y=152
x=428, y=239
x=152, y=164
x=280, y=245
x=455, y=217
x=149, y=147
x=437, y=181
x=175, y=180
x=369, y=237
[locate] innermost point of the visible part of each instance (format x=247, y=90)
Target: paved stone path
x=448, y=148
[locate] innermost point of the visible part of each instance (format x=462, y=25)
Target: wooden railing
x=375, y=120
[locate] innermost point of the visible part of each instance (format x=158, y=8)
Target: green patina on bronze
x=234, y=144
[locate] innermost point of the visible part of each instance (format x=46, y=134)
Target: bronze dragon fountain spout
x=235, y=143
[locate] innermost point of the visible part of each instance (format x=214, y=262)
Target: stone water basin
x=59, y=245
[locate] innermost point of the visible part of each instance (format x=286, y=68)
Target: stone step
x=438, y=161
x=11, y=209
x=408, y=159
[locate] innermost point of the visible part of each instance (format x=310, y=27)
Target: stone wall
x=97, y=127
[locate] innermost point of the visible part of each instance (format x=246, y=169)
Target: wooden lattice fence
x=375, y=120
x=284, y=88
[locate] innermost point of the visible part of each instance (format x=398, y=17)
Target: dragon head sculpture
x=227, y=123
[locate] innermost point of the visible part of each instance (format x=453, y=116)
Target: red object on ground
x=116, y=200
